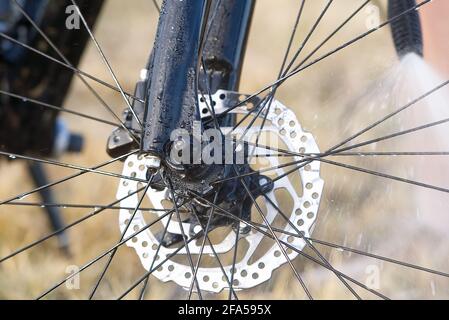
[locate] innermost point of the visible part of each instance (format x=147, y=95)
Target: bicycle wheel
x=270, y=210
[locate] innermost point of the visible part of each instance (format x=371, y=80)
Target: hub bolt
x=152, y=162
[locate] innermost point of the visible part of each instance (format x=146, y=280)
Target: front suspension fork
x=174, y=72
x=172, y=87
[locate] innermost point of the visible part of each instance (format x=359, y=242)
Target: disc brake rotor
x=249, y=272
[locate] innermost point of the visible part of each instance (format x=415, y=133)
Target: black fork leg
x=172, y=98
x=225, y=44
x=172, y=89
x=39, y=177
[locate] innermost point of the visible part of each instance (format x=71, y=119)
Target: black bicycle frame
x=31, y=129
x=174, y=75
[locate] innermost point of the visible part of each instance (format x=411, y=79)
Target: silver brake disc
x=283, y=123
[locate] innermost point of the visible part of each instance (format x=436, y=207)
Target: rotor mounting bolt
x=197, y=229
x=244, y=229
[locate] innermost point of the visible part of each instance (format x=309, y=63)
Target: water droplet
x=432, y=287
x=359, y=240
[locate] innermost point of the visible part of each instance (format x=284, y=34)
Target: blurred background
x=332, y=100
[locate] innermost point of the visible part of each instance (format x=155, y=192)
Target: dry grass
x=332, y=99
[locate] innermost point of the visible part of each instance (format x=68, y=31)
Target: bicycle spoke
x=205, y=231
x=390, y=115
x=384, y=175
x=69, y=166
x=298, y=277
x=79, y=206
x=260, y=105
x=237, y=227
x=91, y=89
x=257, y=227
x=210, y=104
x=222, y=268
x=375, y=173
x=147, y=274
x=334, y=150
x=250, y=125
x=63, y=57
x=147, y=278
x=289, y=164
x=408, y=105
x=63, y=64
x=379, y=257
x=184, y=237
x=112, y=255
x=292, y=64
x=145, y=284
x=98, y=258
x=339, y=247
x=234, y=256
x=332, y=34
x=312, y=53
x=393, y=135
x=341, y=151
x=271, y=95
x=71, y=225
x=284, y=60
x=309, y=35
x=365, y=154
x=302, y=62
x=206, y=237
x=50, y=106
x=106, y=62
x=21, y=196
x=323, y=57
x=394, y=153
x=331, y=268
x=217, y=126
x=292, y=36
x=317, y=157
